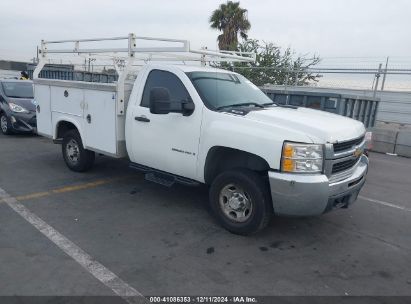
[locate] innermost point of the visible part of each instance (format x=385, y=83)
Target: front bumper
x=309, y=195
x=23, y=122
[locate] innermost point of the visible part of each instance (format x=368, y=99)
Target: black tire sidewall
x=8, y=124
x=255, y=186
x=86, y=157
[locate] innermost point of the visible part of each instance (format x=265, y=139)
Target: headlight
x=302, y=158
x=17, y=108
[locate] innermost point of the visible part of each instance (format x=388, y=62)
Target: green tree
x=231, y=20
x=274, y=65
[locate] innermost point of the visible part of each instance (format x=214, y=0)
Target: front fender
x=238, y=132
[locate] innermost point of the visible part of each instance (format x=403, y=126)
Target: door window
x=167, y=80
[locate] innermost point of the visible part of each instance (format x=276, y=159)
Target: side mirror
x=187, y=107
x=160, y=102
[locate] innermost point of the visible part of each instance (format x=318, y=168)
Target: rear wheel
x=5, y=124
x=75, y=156
x=241, y=201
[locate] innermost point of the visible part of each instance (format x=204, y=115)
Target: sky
x=328, y=28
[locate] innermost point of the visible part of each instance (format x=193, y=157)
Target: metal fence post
x=377, y=76
x=286, y=78
x=296, y=78
x=385, y=74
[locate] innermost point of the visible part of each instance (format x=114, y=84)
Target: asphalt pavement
x=163, y=241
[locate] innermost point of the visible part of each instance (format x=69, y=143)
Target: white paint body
x=103, y=133
x=153, y=144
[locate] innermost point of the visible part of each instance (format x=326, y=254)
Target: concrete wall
x=11, y=69
x=13, y=65
x=392, y=139
x=392, y=133
x=9, y=74
x=403, y=144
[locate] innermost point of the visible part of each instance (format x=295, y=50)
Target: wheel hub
x=72, y=150
x=235, y=203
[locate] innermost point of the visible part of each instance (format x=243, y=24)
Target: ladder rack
x=181, y=52
x=176, y=50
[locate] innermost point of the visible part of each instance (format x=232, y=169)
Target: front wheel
x=75, y=156
x=241, y=202
x=4, y=124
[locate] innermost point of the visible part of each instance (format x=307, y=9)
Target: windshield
x=224, y=89
x=18, y=89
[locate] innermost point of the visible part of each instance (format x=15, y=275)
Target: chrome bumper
x=309, y=195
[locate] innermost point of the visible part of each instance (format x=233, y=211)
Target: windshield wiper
x=280, y=105
x=242, y=104
x=270, y=104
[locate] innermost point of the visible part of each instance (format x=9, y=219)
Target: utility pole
x=385, y=74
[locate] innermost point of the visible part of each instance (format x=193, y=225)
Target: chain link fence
x=392, y=87
x=379, y=79
x=364, y=73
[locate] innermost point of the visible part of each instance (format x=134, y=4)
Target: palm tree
x=232, y=20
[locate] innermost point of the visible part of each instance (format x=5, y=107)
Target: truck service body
x=196, y=124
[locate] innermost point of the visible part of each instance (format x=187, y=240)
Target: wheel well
x=63, y=127
x=220, y=159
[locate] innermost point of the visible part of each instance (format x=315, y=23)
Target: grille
x=346, y=145
x=344, y=165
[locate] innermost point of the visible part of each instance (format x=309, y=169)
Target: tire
x=241, y=202
x=5, y=124
x=75, y=156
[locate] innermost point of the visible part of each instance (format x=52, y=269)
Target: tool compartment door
x=100, y=120
x=67, y=100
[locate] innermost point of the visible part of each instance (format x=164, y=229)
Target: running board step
x=163, y=178
x=159, y=179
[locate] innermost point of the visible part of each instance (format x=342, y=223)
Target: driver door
x=167, y=142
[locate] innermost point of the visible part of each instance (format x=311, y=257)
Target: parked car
x=17, y=107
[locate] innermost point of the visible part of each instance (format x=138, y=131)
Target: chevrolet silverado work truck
x=195, y=124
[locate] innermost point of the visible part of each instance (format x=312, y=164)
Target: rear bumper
x=309, y=195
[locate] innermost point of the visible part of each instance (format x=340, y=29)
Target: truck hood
x=319, y=126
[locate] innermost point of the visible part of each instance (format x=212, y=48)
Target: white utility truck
x=195, y=124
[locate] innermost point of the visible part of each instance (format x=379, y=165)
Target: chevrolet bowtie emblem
x=358, y=152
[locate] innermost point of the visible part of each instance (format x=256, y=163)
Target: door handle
x=142, y=119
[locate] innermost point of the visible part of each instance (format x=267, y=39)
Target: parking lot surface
x=163, y=241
